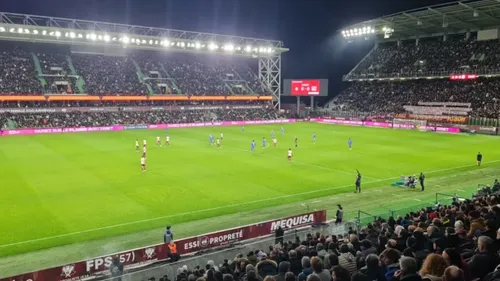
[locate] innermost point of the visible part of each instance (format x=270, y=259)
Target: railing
x=421, y=74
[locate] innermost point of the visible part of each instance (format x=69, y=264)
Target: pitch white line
x=294, y=161
x=461, y=190
x=217, y=208
x=416, y=199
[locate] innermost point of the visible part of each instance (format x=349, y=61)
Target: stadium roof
x=448, y=18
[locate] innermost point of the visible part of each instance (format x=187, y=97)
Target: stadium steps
x=248, y=88
x=142, y=77
x=359, y=63
x=80, y=83
x=39, y=71
x=172, y=80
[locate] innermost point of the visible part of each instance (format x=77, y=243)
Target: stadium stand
x=57, y=70
x=80, y=119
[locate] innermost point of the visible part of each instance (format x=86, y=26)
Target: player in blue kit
x=252, y=146
x=211, y=139
x=349, y=143
x=272, y=134
x=242, y=129
x=282, y=131
x=264, y=142
x=314, y=138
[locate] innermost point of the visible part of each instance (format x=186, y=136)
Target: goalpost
x=419, y=125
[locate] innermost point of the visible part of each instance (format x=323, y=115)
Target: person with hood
x=317, y=266
x=347, y=260
x=266, y=267
x=307, y=270
x=408, y=271
x=389, y=259
x=366, y=249
x=321, y=251
x=283, y=268
x=433, y=268
x=372, y=269
x=252, y=258
x=295, y=264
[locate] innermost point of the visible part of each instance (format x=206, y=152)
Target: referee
x=358, y=182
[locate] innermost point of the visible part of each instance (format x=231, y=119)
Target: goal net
x=416, y=124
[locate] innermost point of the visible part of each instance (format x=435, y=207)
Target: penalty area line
x=215, y=208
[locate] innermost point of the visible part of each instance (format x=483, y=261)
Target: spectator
x=266, y=267
x=453, y=273
x=347, y=260
x=340, y=274
x=453, y=258
x=289, y=276
x=433, y=268
x=306, y=269
x=485, y=260
x=408, y=270
x=283, y=269
x=372, y=269
x=389, y=259
x=317, y=267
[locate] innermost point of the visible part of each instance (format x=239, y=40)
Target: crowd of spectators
x=456, y=242
x=86, y=119
x=108, y=75
x=17, y=73
x=432, y=55
x=47, y=104
x=190, y=74
x=391, y=96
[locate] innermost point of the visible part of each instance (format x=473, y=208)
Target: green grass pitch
x=88, y=189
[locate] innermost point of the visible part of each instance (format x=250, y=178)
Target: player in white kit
x=167, y=140
x=217, y=142
x=144, y=151
x=274, y=142
x=221, y=136
x=143, y=164
x=137, y=145
x=289, y=154
x=158, y=142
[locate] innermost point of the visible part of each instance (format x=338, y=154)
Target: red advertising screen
x=463, y=77
x=305, y=87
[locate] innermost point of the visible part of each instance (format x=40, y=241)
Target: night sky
x=307, y=27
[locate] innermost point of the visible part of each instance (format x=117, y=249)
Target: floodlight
x=114, y=39
x=26, y=30
x=248, y=49
x=72, y=35
x=93, y=36
x=269, y=50
x=229, y=47
x=106, y=38
x=213, y=46
x=150, y=42
x=125, y=40
x=80, y=35
x=66, y=34
x=58, y=34
x=99, y=37
x=172, y=44
x=2, y=29
x=133, y=40
x=20, y=30
x=13, y=30
x=143, y=41
x=197, y=45
x=156, y=42
x=44, y=32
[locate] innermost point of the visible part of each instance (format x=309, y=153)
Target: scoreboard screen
x=305, y=87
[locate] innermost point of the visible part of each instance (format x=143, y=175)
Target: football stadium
x=142, y=153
